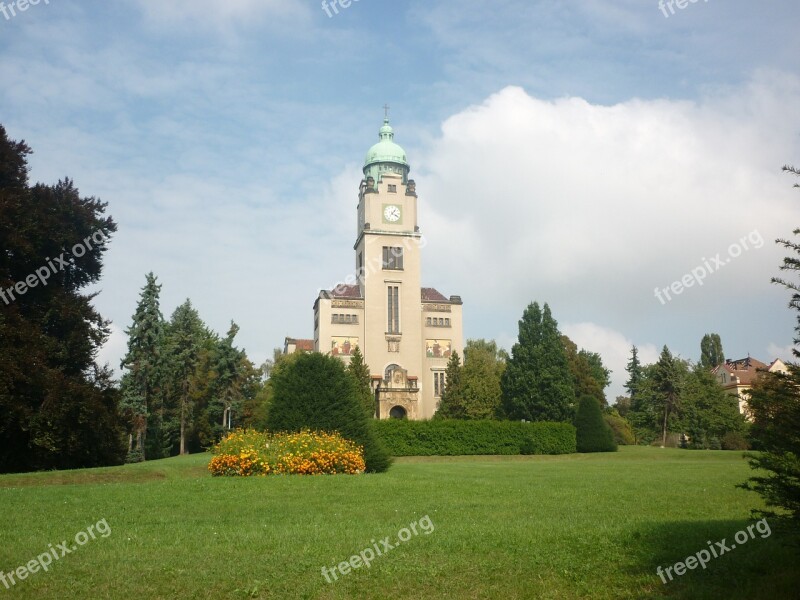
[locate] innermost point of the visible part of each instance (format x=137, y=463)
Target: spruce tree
x=666, y=384
x=141, y=388
x=183, y=342
x=315, y=391
x=635, y=374
x=537, y=383
x=359, y=371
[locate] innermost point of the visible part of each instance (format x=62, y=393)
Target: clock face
x=391, y=213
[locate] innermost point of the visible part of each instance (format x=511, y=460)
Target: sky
x=588, y=154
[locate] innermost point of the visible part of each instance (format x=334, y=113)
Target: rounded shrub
x=314, y=391
x=592, y=432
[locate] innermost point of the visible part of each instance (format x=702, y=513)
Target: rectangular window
x=393, y=303
x=438, y=383
x=447, y=322
x=392, y=188
x=393, y=258
x=428, y=321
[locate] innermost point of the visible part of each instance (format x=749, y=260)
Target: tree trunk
x=664, y=428
x=183, y=426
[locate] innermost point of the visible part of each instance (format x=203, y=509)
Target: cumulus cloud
x=614, y=348
x=591, y=207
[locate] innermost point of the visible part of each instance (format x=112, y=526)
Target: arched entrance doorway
x=398, y=412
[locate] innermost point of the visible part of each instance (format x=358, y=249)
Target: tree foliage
x=141, y=386
x=58, y=409
x=359, y=371
x=315, y=391
x=472, y=390
x=635, y=373
x=711, y=354
x=451, y=400
x=593, y=434
x=589, y=376
x=537, y=383
x=774, y=404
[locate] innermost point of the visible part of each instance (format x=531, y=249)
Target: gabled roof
x=432, y=295
x=346, y=291
x=746, y=370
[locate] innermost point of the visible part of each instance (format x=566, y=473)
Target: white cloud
x=114, y=349
x=783, y=352
x=615, y=349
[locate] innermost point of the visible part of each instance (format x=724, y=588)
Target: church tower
x=406, y=332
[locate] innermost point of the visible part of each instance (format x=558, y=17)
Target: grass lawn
x=578, y=526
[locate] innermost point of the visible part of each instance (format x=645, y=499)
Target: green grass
x=576, y=526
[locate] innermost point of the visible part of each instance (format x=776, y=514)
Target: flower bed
x=248, y=452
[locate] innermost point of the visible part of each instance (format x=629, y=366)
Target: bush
x=314, y=391
x=248, y=452
x=456, y=437
x=733, y=440
x=620, y=427
x=592, y=432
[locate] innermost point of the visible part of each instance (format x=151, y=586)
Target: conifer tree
x=141, y=388
x=635, y=374
x=359, y=370
x=537, y=383
x=451, y=399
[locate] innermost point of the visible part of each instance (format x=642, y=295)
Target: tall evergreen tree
x=451, y=401
x=537, y=383
x=233, y=372
x=58, y=409
x=359, y=371
x=184, y=337
x=635, y=373
x=141, y=387
x=711, y=354
x=666, y=381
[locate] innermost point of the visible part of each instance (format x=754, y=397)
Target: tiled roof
x=432, y=295
x=304, y=345
x=746, y=370
x=346, y=291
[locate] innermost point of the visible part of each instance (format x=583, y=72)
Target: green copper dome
x=386, y=156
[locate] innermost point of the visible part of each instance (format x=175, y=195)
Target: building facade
x=737, y=377
x=405, y=331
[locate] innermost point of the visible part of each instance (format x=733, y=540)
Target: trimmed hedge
x=449, y=437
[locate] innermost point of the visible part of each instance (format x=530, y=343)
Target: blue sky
x=576, y=153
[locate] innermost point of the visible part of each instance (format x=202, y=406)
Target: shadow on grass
x=761, y=567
